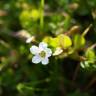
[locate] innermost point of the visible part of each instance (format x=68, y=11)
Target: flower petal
x=36, y=59
x=34, y=50
x=45, y=61
x=42, y=46
x=48, y=52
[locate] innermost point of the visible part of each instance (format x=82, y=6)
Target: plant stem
x=93, y=80
x=42, y=15
x=75, y=73
x=86, y=30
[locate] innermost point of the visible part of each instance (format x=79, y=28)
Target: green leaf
x=67, y=22
x=25, y=19
x=90, y=54
x=35, y=14
x=79, y=41
x=54, y=42
x=47, y=39
x=20, y=86
x=64, y=41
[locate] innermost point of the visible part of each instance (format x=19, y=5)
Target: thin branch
x=93, y=80
x=86, y=30
x=73, y=30
x=62, y=87
x=76, y=73
x=92, y=46
x=54, y=13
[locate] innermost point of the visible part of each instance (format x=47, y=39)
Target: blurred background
x=36, y=19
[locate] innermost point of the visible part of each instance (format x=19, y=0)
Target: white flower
x=41, y=53
x=58, y=51
x=30, y=39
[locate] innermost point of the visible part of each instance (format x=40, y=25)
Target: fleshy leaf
x=79, y=41
x=54, y=42
x=90, y=54
x=64, y=41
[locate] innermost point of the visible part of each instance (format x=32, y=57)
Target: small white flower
x=30, y=39
x=58, y=51
x=41, y=53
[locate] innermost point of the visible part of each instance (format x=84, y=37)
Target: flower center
x=42, y=54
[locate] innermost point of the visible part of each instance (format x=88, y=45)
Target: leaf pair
x=62, y=41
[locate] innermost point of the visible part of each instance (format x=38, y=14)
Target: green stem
x=42, y=15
